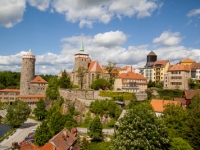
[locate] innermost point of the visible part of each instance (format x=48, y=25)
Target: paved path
x=105, y=131
x=20, y=133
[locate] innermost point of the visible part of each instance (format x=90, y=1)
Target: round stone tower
x=27, y=72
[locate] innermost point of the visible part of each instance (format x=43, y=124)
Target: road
x=105, y=131
x=20, y=133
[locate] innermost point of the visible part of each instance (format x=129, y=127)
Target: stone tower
x=82, y=59
x=151, y=59
x=27, y=73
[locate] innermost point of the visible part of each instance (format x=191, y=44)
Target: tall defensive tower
x=27, y=72
x=82, y=59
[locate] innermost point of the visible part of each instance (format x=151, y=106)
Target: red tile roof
x=195, y=66
x=38, y=79
x=182, y=100
x=158, y=105
x=189, y=94
x=28, y=146
x=31, y=96
x=10, y=90
x=179, y=67
x=94, y=67
x=163, y=63
x=188, y=60
x=48, y=146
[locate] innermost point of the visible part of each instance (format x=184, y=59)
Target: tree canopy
x=52, y=92
x=17, y=113
x=40, y=111
x=112, y=71
x=81, y=74
x=95, y=128
x=64, y=81
x=9, y=79
x=179, y=144
x=140, y=129
x=174, y=118
x=100, y=84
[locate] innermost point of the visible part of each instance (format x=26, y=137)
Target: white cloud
x=189, y=22
x=110, y=39
x=194, y=12
x=40, y=4
x=11, y=12
x=168, y=38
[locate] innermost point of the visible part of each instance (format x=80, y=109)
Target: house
x=187, y=62
x=181, y=100
x=159, y=105
x=64, y=140
x=160, y=69
x=127, y=69
x=130, y=82
x=195, y=71
x=177, y=77
x=189, y=94
x=9, y=95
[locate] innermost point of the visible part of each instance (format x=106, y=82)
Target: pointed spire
x=82, y=46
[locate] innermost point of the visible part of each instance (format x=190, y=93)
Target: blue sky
x=123, y=31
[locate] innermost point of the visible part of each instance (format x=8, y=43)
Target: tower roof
x=29, y=55
x=81, y=51
x=151, y=53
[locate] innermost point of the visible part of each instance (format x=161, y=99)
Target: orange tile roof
x=195, y=66
x=29, y=146
x=48, y=146
x=151, y=53
x=10, y=90
x=126, y=67
x=188, y=60
x=94, y=67
x=131, y=75
x=38, y=79
x=179, y=67
x=161, y=62
x=158, y=105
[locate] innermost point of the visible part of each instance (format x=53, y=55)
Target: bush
x=116, y=95
x=101, y=84
x=170, y=94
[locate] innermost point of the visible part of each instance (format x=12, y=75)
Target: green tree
x=194, y=102
x=81, y=74
x=64, y=81
x=192, y=83
x=100, y=83
x=110, y=68
x=42, y=134
x=141, y=129
x=179, y=144
x=69, y=121
x=174, y=118
x=85, y=144
x=192, y=130
x=95, y=128
x=57, y=122
x=52, y=92
x=149, y=93
x=133, y=102
x=17, y=113
x=40, y=111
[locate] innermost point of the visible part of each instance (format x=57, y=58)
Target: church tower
x=27, y=73
x=82, y=59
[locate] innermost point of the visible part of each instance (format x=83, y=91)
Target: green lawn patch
x=116, y=95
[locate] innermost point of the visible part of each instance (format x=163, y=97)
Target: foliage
x=42, y=134
x=105, y=107
x=88, y=118
x=140, y=129
x=194, y=102
x=101, y=145
x=95, y=128
x=9, y=79
x=100, y=84
x=112, y=71
x=116, y=95
x=64, y=81
x=192, y=83
x=132, y=102
x=111, y=124
x=72, y=111
x=75, y=86
x=57, y=122
x=192, y=130
x=47, y=77
x=81, y=74
x=171, y=94
x=17, y=113
x=179, y=144
x=85, y=144
x=154, y=84
x=70, y=121
x=40, y=111
x=149, y=93
x=52, y=92
x=174, y=118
